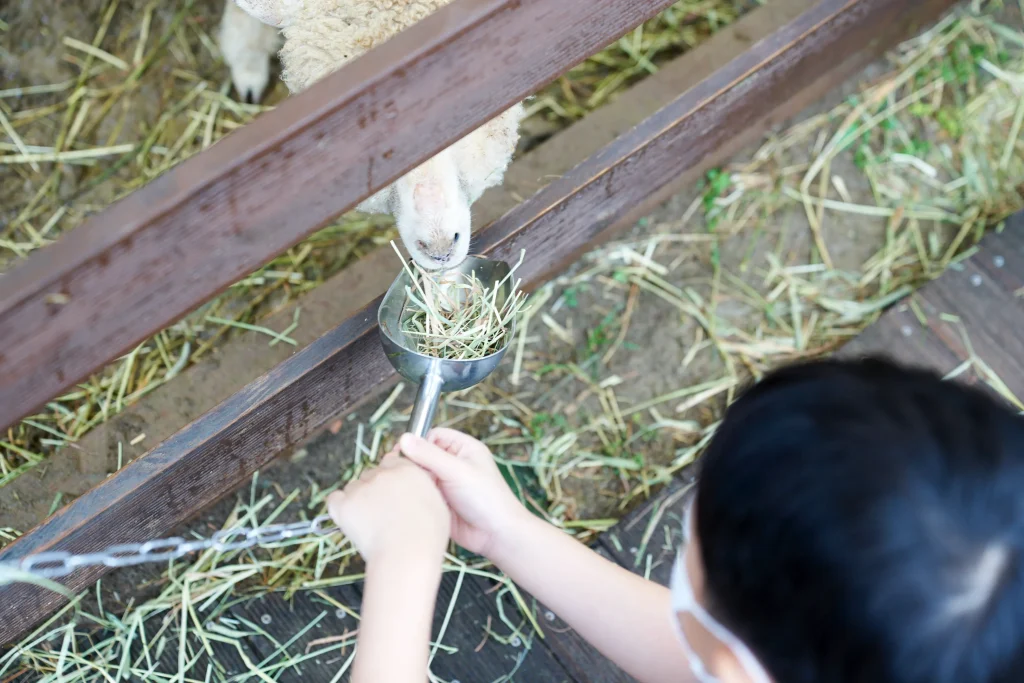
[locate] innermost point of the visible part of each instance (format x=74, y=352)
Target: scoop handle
x=426, y=402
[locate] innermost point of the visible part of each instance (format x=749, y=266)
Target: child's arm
x=397, y=519
x=394, y=632
x=624, y=616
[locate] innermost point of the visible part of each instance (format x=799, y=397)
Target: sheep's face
x=431, y=204
x=432, y=213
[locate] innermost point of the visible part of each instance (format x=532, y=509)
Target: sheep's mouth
x=441, y=266
x=434, y=265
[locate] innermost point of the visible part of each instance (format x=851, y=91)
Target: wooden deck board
x=163, y=655
x=316, y=619
x=477, y=656
x=481, y=657
x=975, y=305
x=581, y=659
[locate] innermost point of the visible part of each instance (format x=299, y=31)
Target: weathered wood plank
x=645, y=542
x=583, y=662
x=560, y=656
x=479, y=656
x=283, y=620
x=224, y=447
x=976, y=306
x=109, y=284
x=26, y=501
x=220, y=450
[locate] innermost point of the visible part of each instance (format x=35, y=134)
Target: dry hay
x=458, y=317
x=144, y=90
x=936, y=140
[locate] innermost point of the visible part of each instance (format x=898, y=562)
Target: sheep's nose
x=442, y=253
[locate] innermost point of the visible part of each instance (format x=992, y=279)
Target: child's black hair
x=861, y=522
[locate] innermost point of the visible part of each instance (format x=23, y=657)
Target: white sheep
x=431, y=203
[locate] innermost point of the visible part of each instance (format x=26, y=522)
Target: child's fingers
x=456, y=442
x=431, y=457
x=335, y=504
x=448, y=439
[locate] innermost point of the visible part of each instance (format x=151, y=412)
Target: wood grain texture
x=481, y=657
x=220, y=450
x=157, y=254
x=477, y=655
x=969, y=319
x=26, y=501
x=282, y=620
x=688, y=135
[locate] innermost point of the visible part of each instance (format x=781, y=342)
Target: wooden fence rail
x=156, y=255
x=776, y=77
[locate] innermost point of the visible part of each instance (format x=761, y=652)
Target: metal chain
x=58, y=563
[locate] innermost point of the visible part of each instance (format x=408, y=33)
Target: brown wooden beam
x=149, y=259
x=220, y=450
x=27, y=500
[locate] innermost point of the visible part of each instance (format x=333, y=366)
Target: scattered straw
x=143, y=89
x=759, y=271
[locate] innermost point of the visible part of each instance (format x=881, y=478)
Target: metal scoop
x=436, y=375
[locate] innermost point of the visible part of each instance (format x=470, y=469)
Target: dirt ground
x=650, y=362
x=129, y=88
x=658, y=339
x=602, y=345
x=29, y=57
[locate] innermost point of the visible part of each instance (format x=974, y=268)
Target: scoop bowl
x=437, y=375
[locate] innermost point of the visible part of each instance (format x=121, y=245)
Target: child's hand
x=393, y=510
x=483, y=506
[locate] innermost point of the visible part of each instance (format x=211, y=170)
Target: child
x=855, y=522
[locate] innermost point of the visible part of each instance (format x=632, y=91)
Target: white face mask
x=685, y=602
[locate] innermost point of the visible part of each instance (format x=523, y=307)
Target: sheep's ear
x=278, y=13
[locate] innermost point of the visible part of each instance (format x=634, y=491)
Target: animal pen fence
x=161, y=252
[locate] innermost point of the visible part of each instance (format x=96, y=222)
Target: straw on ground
x=577, y=437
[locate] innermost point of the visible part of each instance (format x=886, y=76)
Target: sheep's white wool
x=248, y=45
x=323, y=35
x=431, y=203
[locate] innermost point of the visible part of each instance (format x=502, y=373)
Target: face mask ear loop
x=684, y=600
x=747, y=660
x=679, y=605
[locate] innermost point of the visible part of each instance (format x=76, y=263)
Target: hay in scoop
x=457, y=317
